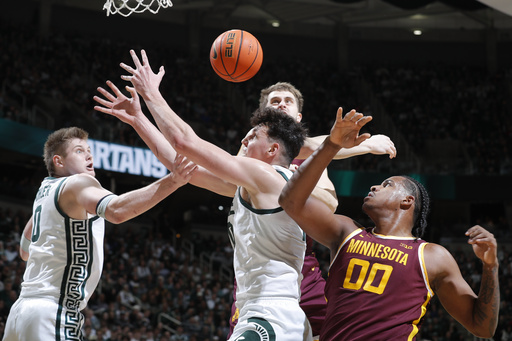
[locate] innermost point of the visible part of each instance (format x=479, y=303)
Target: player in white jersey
x=63, y=240
x=275, y=140
x=257, y=236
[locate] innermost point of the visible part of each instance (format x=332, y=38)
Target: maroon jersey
x=312, y=299
x=377, y=289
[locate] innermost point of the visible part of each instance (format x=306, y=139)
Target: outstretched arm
x=478, y=314
x=241, y=171
x=128, y=110
x=84, y=194
x=376, y=144
x=313, y=217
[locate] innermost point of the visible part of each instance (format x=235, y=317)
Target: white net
x=127, y=7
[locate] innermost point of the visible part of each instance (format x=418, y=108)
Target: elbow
x=484, y=334
x=483, y=330
x=24, y=255
x=183, y=141
x=116, y=217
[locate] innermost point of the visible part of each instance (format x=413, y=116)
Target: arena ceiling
x=407, y=14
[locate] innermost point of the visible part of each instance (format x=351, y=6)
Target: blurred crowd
x=462, y=109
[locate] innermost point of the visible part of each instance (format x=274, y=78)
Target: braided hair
x=421, y=206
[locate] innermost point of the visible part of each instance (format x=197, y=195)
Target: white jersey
x=268, y=250
x=66, y=255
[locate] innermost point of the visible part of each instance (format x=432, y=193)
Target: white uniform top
x=66, y=255
x=269, y=250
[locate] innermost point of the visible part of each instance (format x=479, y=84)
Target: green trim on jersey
x=257, y=210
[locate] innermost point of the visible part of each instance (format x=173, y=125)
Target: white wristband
x=24, y=243
x=101, y=207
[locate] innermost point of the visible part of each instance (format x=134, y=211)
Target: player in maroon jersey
x=381, y=279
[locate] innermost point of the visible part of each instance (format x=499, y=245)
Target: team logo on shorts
x=262, y=331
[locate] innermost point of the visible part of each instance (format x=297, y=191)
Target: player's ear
x=299, y=117
x=407, y=202
x=58, y=161
x=273, y=149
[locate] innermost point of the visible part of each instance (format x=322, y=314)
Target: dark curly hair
x=281, y=128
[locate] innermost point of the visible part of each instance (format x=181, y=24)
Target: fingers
x=114, y=89
x=135, y=59
x=477, y=234
x=362, y=138
x=132, y=92
x=145, y=60
x=184, y=167
x=103, y=102
x=103, y=109
x=105, y=93
x=127, y=68
x=394, y=152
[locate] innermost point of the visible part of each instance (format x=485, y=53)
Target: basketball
x=236, y=55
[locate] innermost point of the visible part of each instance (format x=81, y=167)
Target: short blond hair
x=57, y=142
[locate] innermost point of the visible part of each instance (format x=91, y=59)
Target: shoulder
x=435, y=252
x=78, y=182
x=439, y=263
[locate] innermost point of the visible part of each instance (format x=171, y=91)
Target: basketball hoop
x=127, y=7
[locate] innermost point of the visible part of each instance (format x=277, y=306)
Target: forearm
x=25, y=241
x=486, y=308
x=175, y=130
x=305, y=179
x=345, y=153
x=328, y=197
x=313, y=143
x=133, y=203
x=156, y=141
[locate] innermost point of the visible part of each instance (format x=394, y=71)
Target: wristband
x=24, y=243
x=101, y=207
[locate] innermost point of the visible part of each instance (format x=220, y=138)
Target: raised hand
x=345, y=131
x=118, y=105
x=484, y=244
x=143, y=79
x=380, y=145
x=182, y=170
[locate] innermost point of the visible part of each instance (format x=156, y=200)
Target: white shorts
x=42, y=319
x=271, y=320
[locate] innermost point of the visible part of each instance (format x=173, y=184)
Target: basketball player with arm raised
x=287, y=98
x=269, y=245
x=382, y=278
x=63, y=240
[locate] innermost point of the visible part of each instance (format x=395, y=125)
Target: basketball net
x=127, y=7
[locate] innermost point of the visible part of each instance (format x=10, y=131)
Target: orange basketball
x=236, y=55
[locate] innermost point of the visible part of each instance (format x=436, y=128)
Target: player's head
x=278, y=128
x=400, y=193
x=66, y=152
x=284, y=97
